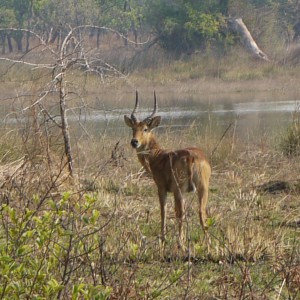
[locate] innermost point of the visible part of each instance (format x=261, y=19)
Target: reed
x=290, y=138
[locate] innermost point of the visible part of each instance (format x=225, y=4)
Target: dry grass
x=197, y=74
x=253, y=233
x=254, y=249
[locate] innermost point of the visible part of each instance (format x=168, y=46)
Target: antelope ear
x=128, y=121
x=154, y=122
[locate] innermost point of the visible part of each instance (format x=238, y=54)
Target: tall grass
x=290, y=140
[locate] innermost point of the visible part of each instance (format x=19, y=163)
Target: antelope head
x=142, y=134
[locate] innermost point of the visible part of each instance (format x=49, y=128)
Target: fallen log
x=238, y=27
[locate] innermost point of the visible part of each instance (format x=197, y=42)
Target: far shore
x=122, y=92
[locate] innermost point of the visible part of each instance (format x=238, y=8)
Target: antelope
x=174, y=171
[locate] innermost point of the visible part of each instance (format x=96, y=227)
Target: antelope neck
x=151, y=150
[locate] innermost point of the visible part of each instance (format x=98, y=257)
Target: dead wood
x=238, y=27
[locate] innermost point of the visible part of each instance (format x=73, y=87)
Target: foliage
x=184, y=26
x=179, y=26
x=42, y=250
x=122, y=16
x=7, y=18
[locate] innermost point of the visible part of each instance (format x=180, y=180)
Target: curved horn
x=133, y=117
x=154, y=110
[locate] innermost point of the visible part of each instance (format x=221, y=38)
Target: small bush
x=290, y=142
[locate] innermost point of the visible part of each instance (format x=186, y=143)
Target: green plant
x=183, y=26
x=42, y=250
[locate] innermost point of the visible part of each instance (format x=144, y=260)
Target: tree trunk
x=98, y=38
x=9, y=43
x=3, y=38
x=28, y=38
x=18, y=38
x=64, y=123
x=238, y=26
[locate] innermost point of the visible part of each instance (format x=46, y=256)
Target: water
x=251, y=117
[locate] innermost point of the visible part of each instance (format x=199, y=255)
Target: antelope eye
x=145, y=129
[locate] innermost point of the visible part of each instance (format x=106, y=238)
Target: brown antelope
x=178, y=171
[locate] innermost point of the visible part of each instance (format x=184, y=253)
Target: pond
x=250, y=116
x=251, y=113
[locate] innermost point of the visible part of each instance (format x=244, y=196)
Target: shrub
x=290, y=142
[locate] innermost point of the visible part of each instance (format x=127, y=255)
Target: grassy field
x=96, y=235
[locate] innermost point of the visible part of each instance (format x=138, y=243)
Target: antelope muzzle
x=134, y=143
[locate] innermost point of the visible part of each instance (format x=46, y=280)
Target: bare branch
x=14, y=61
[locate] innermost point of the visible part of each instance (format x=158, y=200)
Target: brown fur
x=179, y=171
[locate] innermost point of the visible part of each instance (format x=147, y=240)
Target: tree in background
x=7, y=20
x=177, y=26
x=186, y=26
x=183, y=26
x=54, y=18
x=124, y=16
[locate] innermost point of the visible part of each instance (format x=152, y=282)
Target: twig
x=280, y=290
x=221, y=139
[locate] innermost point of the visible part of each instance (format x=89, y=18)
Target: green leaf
x=54, y=285
x=176, y=275
x=5, y=258
x=210, y=222
x=85, y=219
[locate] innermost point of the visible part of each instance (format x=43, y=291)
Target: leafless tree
x=73, y=54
